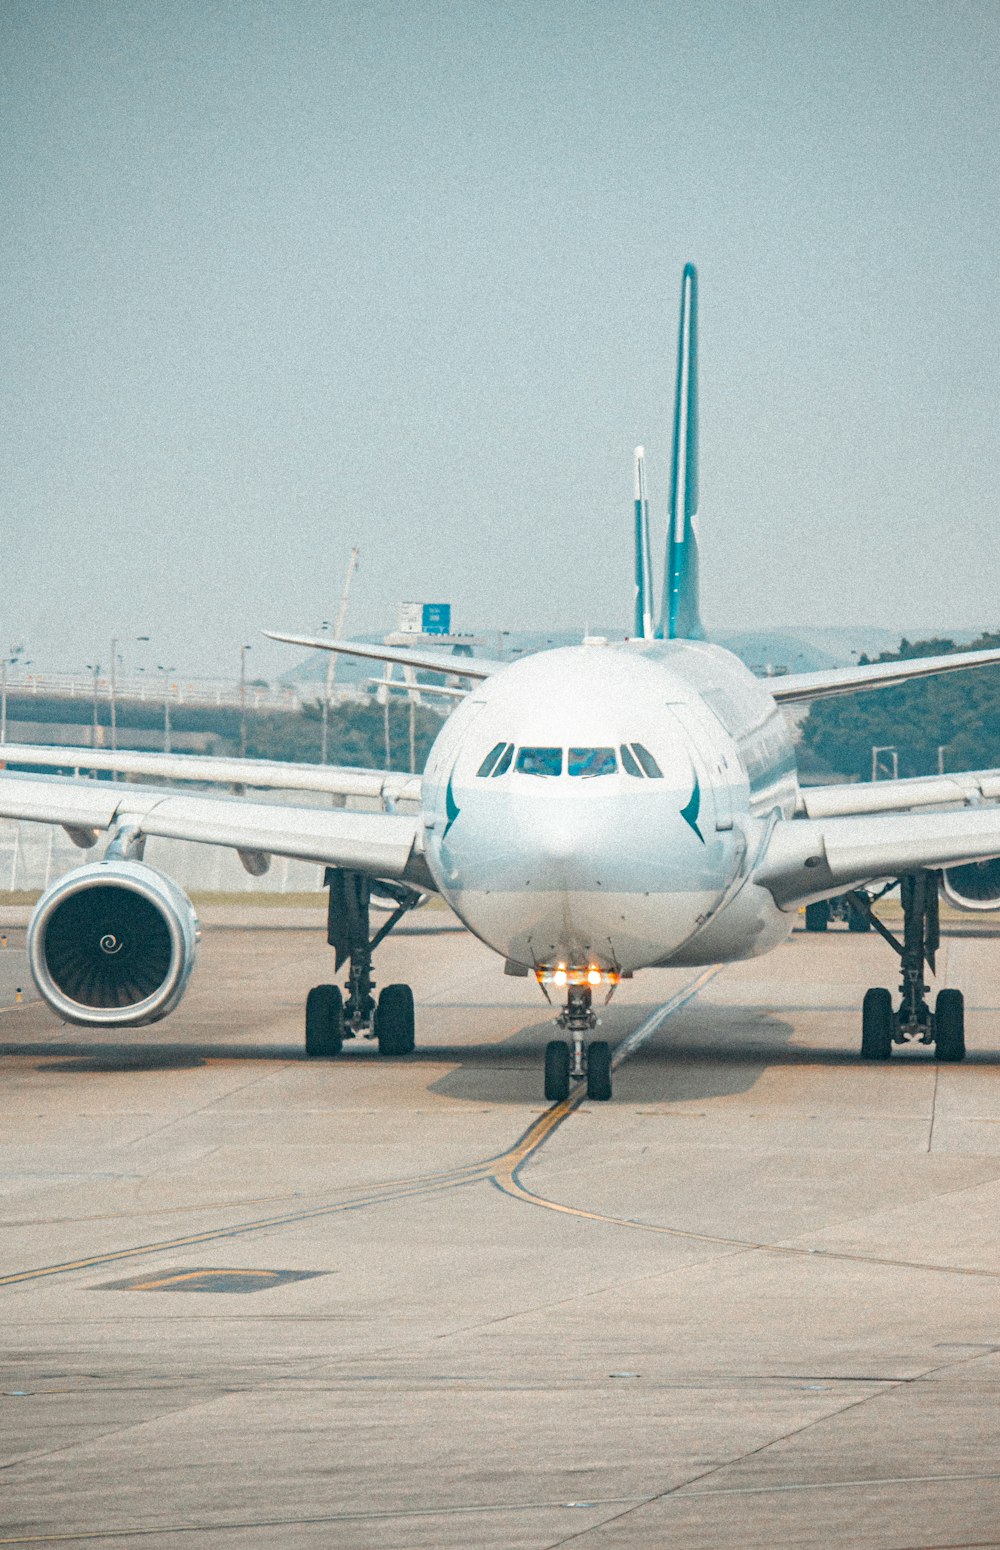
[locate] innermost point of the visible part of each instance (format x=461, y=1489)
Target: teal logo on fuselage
x=691, y=811
x=451, y=807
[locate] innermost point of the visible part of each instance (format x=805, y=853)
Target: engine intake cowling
x=973, y=887
x=112, y=944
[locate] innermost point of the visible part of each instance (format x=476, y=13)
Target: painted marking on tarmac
x=214, y=1279
x=503, y=1164
x=502, y=1171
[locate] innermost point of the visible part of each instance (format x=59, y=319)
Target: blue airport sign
x=436, y=619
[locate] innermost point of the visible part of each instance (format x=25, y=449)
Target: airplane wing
x=418, y=657
x=384, y=845
x=339, y=780
x=799, y=688
x=813, y=858
x=971, y=788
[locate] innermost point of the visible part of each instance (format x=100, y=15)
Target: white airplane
x=587, y=812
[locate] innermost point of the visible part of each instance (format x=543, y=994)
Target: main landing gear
x=567, y=1062
x=913, y=1020
x=329, y=1018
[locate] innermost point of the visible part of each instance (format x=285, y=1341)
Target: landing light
x=550, y=974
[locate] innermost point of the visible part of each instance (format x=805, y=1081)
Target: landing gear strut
x=566, y=1062
x=329, y=1019
x=913, y=1021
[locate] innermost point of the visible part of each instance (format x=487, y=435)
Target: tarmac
x=253, y=1300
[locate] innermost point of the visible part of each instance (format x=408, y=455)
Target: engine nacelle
x=112, y=944
x=973, y=887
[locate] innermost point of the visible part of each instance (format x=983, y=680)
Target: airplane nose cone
x=558, y=843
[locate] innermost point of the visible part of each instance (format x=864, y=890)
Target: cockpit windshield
x=491, y=759
x=587, y=762
x=582, y=763
x=539, y=761
x=649, y=764
x=505, y=759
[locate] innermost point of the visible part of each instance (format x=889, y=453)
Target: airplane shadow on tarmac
x=710, y=1052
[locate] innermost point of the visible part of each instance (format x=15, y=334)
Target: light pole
x=95, y=668
x=331, y=666
x=142, y=640
x=114, y=707
x=325, y=724
x=12, y=658
x=382, y=698
x=878, y=764
x=166, y=671
x=243, y=700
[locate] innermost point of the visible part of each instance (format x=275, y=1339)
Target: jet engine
x=112, y=944
x=973, y=887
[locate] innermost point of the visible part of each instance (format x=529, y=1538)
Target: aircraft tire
x=817, y=916
x=324, y=1022
x=394, y=1021
x=556, y=1070
x=876, y=1025
x=858, y=922
x=949, y=1026
x=599, y=1071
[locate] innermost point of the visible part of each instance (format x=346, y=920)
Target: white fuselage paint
x=607, y=871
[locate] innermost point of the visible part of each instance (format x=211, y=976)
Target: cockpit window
x=505, y=758
x=539, y=761
x=649, y=764
x=592, y=761
x=629, y=764
x=491, y=759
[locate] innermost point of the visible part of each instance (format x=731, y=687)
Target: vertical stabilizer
x=680, y=617
x=643, y=629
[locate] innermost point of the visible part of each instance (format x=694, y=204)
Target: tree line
x=958, y=713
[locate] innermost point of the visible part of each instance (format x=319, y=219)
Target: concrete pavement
x=754, y=1301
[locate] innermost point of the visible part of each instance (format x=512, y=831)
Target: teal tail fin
x=680, y=617
x=643, y=629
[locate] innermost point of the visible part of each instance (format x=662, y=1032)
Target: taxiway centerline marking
x=501, y=1167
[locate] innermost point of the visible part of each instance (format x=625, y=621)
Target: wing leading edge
x=380, y=844
x=971, y=787
x=336, y=780
x=799, y=688
x=417, y=657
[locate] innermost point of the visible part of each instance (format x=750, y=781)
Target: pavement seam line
x=684, y=1489
x=337, y=1517
x=886, y=1386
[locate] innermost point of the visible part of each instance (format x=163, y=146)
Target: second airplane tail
x=680, y=616
x=644, y=628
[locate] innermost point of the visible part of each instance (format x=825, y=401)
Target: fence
x=153, y=691
x=32, y=855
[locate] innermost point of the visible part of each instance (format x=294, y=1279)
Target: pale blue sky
x=279, y=278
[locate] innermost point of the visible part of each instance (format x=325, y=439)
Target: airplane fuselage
x=602, y=806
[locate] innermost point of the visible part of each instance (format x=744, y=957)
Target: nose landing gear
x=567, y=1062
x=913, y=1021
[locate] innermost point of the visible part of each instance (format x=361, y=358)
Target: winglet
x=680, y=617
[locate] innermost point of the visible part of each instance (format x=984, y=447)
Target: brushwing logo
x=693, y=808
x=451, y=807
